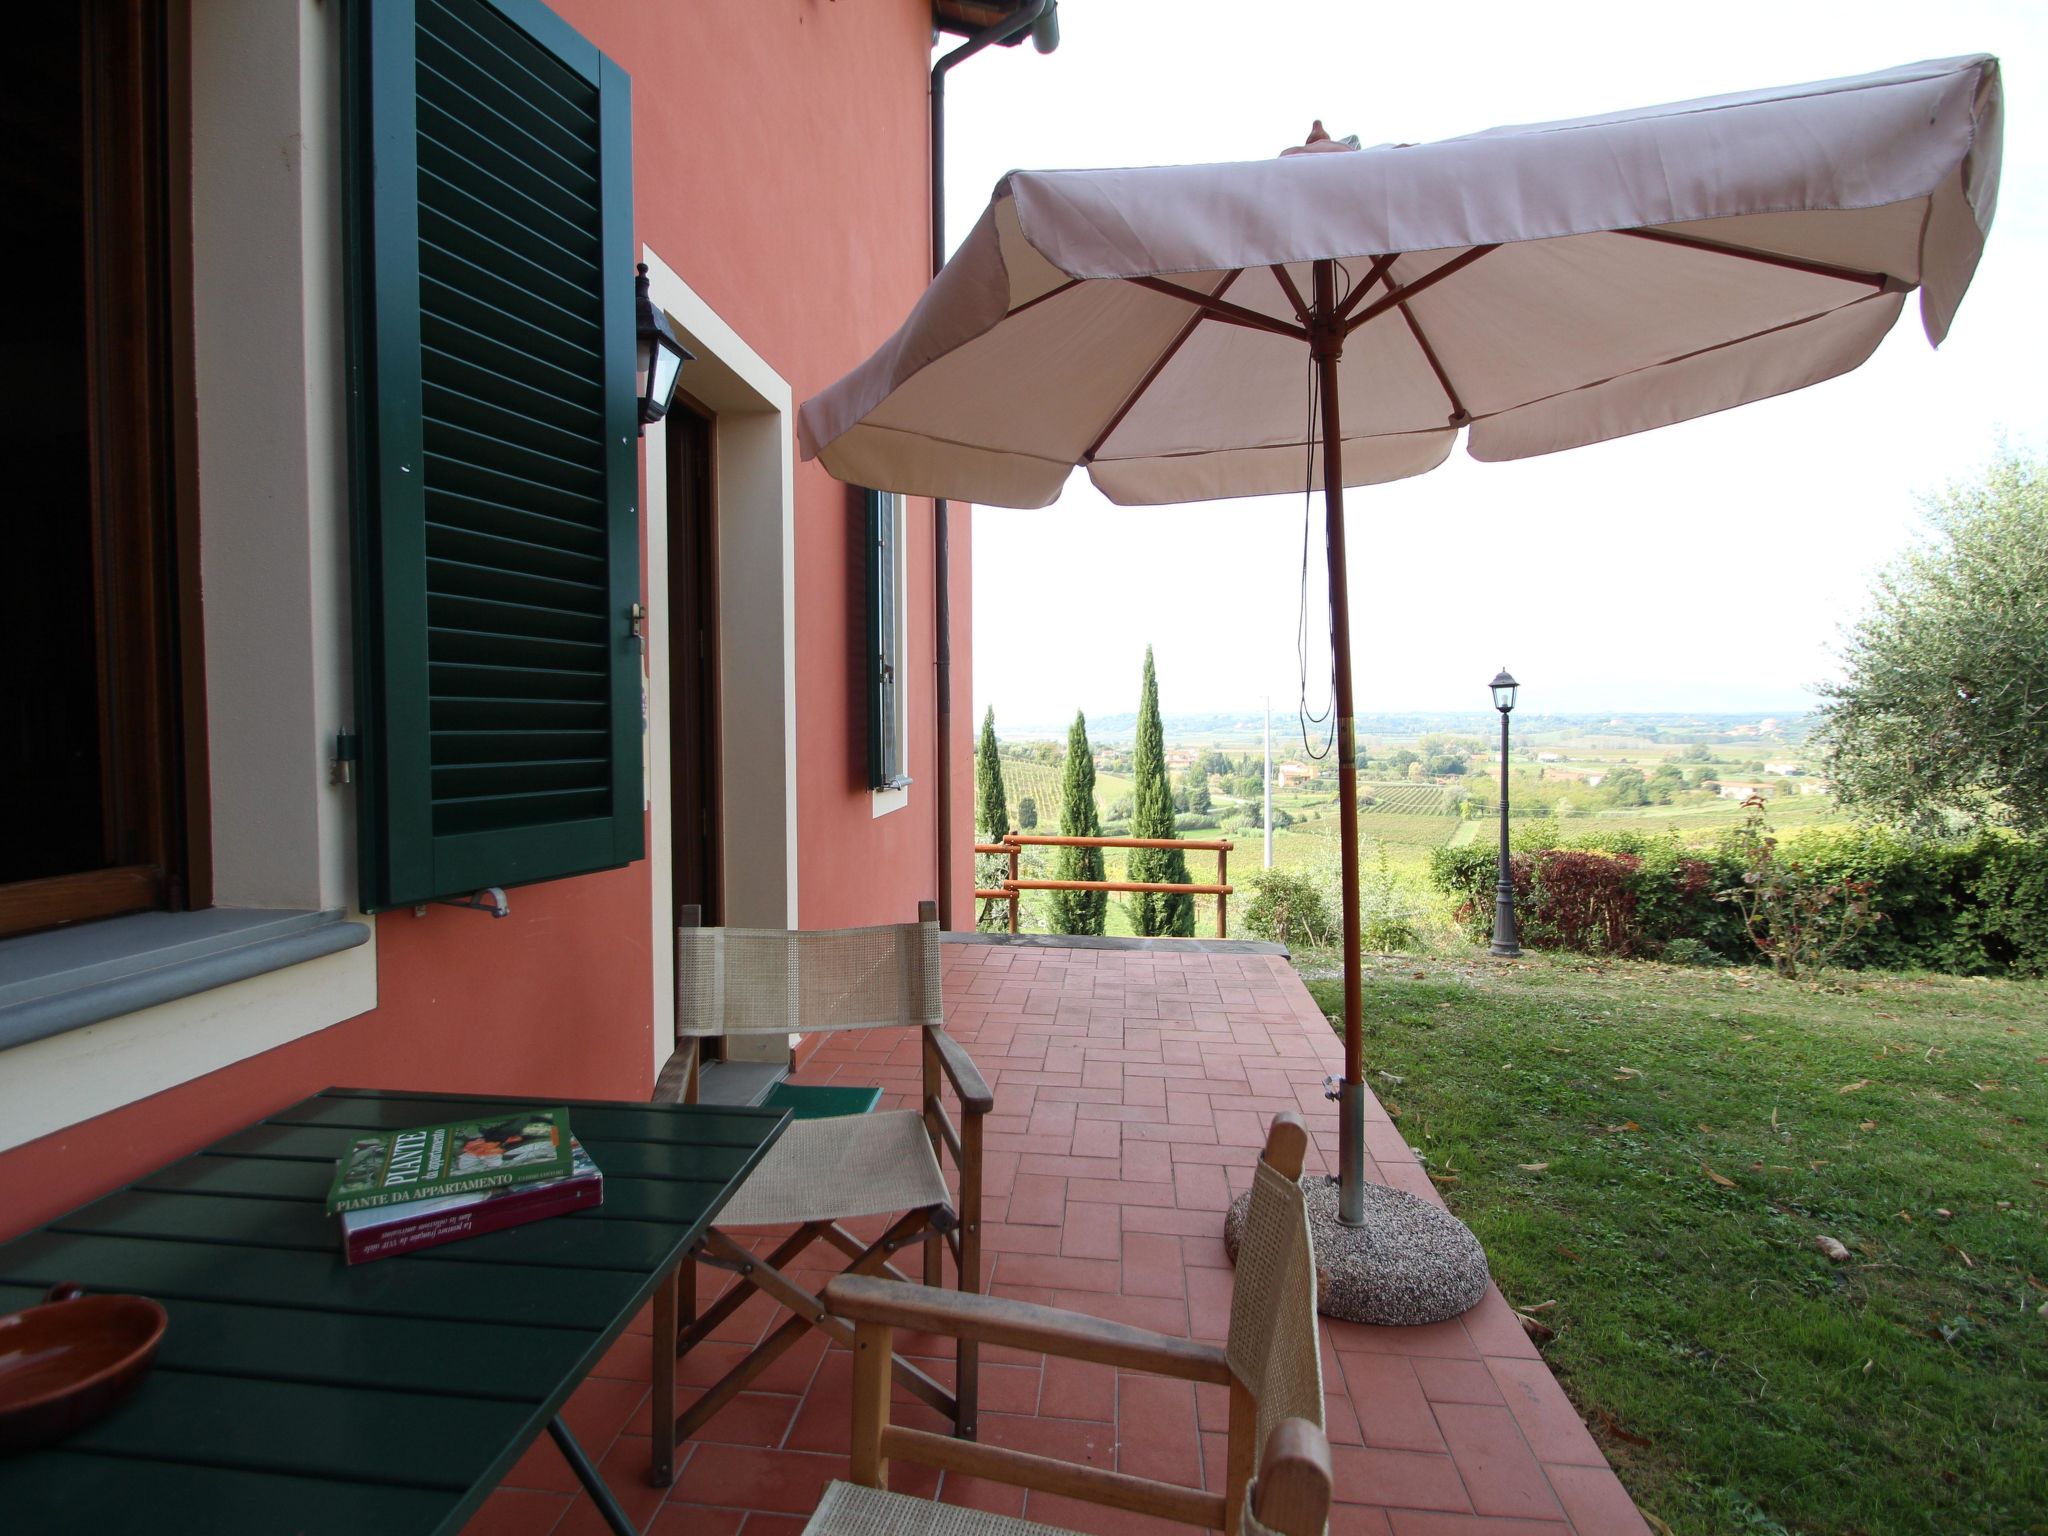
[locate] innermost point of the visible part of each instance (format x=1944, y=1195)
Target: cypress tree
x=991, y=818
x=1079, y=911
x=992, y=807
x=1156, y=912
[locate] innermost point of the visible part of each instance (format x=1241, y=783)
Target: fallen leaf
x=1655, y=1524
x=1706, y=1127
x=1614, y=1427
x=1774, y=1117
x=1906, y=1216
x=1724, y=1182
x=1621, y=1072
x=1532, y=1167
x=1861, y=1082
x=1392, y=1077
x=1819, y=1163
x=2036, y=1284
x=1577, y=1260
x=1443, y=1178
x=1990, y=1087
x=1943, y=1212
x=1541, y=1306
x=1833, y=1248
x=1558, y=1050
x=1868, y=1125
x=1867, y=1365
x=1968, y=1262
x=1420, y=975
x=1538, y=1330
x=1745, y=1037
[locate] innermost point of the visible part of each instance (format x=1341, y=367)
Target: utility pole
x=1269, y=781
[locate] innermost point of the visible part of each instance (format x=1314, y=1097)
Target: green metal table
x=294, y=1393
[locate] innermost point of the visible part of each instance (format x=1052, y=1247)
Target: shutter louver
x=495, y=443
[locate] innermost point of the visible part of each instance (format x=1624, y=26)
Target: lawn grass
x=1653, y=1150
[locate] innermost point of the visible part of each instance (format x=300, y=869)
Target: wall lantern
x=661, y=357
x=1504, y=688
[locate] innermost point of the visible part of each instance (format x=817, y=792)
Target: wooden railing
x=1012, y=889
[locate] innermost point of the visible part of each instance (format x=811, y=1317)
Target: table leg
x=593, y=1484
x=661, y=1365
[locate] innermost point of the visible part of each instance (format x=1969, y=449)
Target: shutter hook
x=491, y=900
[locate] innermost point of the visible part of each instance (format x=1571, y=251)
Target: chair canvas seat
x=836, y=1169
x=847, y=1509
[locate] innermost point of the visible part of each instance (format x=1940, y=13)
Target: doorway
x=696, y=873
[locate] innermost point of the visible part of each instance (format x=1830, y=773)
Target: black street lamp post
x=1505, y=941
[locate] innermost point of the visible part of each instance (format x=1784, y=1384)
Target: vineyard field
x=1408, y=800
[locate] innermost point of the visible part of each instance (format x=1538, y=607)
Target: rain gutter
x=1026, y=16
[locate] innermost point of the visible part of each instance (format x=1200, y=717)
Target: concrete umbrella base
x=1411, y=1262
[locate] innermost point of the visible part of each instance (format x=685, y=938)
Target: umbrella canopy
x=1545, y=286
x=1538, y=287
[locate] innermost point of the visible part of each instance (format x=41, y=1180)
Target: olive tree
x=1942, y=710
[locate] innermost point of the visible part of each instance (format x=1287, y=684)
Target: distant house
x=1816, y=787
x=1548, y=757
x=1593, y=780
x=1292, y=773
x=1784, y=769
x=1743, y=791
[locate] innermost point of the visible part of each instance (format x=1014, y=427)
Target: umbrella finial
x=1319, y=141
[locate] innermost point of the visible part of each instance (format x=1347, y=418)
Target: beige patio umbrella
x=1538, y=287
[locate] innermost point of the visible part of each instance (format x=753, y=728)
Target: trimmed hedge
x=1973, y=906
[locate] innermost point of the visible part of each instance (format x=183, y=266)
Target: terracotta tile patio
x=1132, y=1087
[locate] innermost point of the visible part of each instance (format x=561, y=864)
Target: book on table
x=384, y=1232
x=457, y=1157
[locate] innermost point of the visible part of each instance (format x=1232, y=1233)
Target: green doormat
x=807, y=1103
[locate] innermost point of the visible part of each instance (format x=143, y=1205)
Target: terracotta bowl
x=70, y=1361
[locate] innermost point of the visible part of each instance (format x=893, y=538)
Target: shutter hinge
x=637, y=621
x=341, y=768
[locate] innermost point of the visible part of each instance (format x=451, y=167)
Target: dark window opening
x=90, y=766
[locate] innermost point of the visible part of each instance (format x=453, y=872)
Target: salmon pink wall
x=783, y=171
x=780, y=151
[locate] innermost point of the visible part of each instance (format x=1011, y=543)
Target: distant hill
x=1243, y=729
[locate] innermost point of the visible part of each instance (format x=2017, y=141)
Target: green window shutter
x=494, y=462
x=884, y=666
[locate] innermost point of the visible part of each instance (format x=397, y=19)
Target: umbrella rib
x=1158, y=366
x=1458, y=411
x=1378, y=270
x=1408, y=291
x=1050, y=293
x=1216, y=309
x=1293, y=293
x=1766, y=258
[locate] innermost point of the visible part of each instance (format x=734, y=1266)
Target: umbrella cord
x=1309, y=717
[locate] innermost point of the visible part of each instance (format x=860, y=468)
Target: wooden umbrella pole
x=1326, y=346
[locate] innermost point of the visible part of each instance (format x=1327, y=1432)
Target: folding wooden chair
x=822, y=1173
x=1272, y=1365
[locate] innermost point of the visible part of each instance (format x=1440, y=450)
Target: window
x=887, y=747
x=496, y=471
x=92, y=691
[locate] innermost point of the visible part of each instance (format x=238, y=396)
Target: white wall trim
x=754, y=503
x=274, y=554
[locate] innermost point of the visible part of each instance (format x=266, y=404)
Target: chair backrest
x=747, y=981
x=1274, y=1348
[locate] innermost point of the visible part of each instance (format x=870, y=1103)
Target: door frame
x=753, y=411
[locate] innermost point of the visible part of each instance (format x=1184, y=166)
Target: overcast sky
x=1705, y=566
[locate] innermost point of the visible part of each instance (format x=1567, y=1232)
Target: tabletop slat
x=64, y=1491
x=284, y=1178
x=275, y=1277
x=361, y=1433
x=565, y=1242
x=398, y=1353
x=708, y=1125
x=324, y=1144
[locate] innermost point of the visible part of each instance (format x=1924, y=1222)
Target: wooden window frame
x=887, y=526
x=144, y=552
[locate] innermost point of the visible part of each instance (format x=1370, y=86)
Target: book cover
x=385, y=1232
x=459, y=1157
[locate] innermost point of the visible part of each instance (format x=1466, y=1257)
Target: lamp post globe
x=1505, y=940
